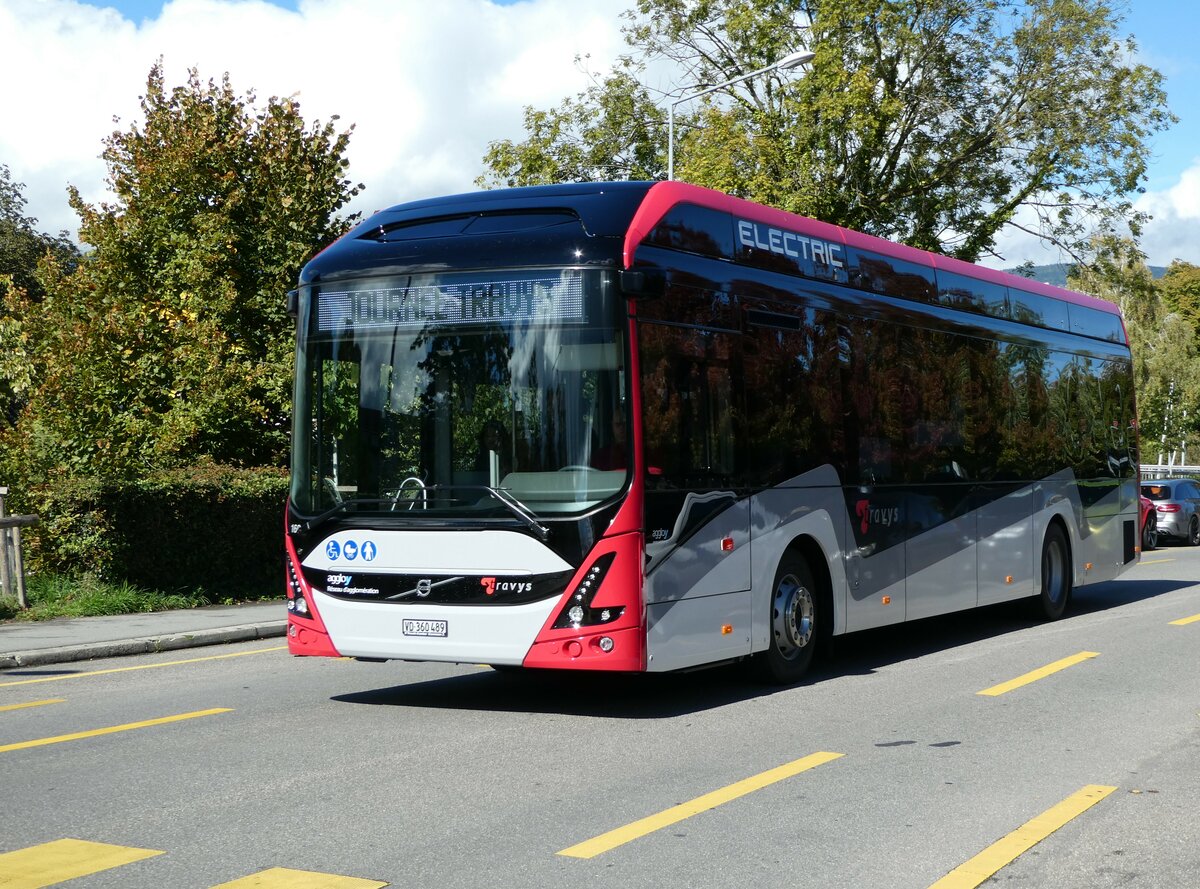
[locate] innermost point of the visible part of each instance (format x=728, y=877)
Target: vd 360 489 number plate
x=425, y=628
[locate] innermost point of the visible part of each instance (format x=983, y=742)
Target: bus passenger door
x=944, y=391
x=872, y=384
x=875, y=557
x=697, y=517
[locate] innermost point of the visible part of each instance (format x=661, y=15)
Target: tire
x=795, y=619
x=1056, y=574
x=1149, y=535
x=1193, y=535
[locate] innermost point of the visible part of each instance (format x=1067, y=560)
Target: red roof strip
x=664, y=195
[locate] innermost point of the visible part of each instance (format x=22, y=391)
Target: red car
x=1149, y=525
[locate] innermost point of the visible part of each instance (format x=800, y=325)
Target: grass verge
x=55, y=595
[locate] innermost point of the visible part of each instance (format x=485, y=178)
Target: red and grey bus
x=652, y=427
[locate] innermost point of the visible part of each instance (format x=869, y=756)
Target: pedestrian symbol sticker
x=368, y=551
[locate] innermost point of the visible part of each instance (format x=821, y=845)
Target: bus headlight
x=578, y=612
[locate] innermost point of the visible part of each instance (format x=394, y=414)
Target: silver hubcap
x=792, y=616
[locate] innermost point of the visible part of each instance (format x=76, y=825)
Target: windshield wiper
x=334, y=510
x=511, y=503
x=521, y=511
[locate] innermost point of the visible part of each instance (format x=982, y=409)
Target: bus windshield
x=454, y=395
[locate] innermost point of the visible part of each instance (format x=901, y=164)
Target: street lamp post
x=792, y=60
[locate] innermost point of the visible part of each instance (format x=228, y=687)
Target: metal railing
x=12, y=561
x=1157, y=470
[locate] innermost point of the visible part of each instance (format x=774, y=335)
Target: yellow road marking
x=33, y=704
x=283, y=878
x=129, y=726
x=194, y=660
x=1184, y=621
x=1041, y=673
x=1004, y=851
x=1155, y=561
x=606, y=841
x=62, y=860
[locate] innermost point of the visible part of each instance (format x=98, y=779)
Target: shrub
x=210, y=528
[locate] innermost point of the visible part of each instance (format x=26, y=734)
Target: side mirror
x=293, y=303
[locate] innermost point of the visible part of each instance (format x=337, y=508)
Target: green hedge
x=212, y=529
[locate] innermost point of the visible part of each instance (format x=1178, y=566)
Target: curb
x=143, y=645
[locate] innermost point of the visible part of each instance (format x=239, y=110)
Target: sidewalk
x=33, y=643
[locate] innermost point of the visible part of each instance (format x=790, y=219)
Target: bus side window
x=872, y=400
x=689, y=406
x=793, y=398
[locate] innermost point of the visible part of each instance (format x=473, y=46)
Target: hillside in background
x=1057, y=274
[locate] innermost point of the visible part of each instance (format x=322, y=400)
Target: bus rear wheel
x=1056, y=574
x=795, y=615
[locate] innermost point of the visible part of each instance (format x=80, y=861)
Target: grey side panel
x=697, y=566
x=941, y=551
x=1006, y=548
x=1103, y=541
x=689, y=632
x=695, y=589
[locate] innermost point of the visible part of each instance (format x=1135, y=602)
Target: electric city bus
x=651, y=427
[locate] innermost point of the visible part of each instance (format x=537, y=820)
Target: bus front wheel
x=795, y=612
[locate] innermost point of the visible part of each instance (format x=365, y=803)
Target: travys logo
x=491, y=586
x=868, y=515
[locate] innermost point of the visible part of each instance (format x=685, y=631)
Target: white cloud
x=427, y=84
x=1017, y=246
x=1174, y=232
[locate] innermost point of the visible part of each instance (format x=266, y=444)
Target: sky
x=427, y=85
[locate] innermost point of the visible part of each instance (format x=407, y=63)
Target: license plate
x=425, y=628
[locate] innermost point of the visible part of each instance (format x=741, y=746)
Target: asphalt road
x=897, y=771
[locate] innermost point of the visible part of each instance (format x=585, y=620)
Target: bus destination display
x=556, y=296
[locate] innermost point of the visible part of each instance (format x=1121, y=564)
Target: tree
x=934, y=122
x=1181, y=289
x=21, y=244
x=1165, y=345
x=22, y=247
x=170, y=342
x=608, y=132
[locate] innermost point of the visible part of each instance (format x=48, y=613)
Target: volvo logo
x=424, y=587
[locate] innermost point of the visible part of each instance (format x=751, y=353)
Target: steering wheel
x=331, y=489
